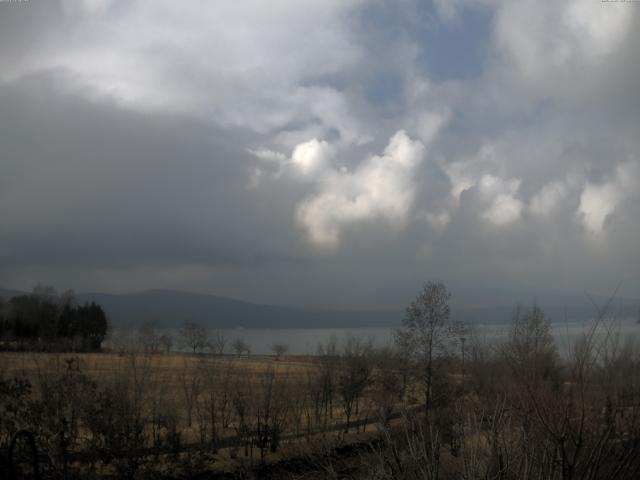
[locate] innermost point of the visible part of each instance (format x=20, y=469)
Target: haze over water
x=304, y=341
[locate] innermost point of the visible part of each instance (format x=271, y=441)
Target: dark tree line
x=46, y=320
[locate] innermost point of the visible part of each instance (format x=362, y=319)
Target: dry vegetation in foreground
x=440, y=405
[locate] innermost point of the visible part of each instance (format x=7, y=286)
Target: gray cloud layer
x=311, y=153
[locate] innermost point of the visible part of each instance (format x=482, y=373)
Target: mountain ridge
x=170, y=308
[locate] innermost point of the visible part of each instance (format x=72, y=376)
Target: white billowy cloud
x=600, y=200
x=503, y=205
x=555, y=48
x=312, y=157
x=465, y=174
x=298, y=99
x=231, y=63
x=382, y=188
x=545, y=202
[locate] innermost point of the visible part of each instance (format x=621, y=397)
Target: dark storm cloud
x=89, y=183
x=333, y=153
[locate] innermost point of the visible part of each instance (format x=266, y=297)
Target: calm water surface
x=305, y=340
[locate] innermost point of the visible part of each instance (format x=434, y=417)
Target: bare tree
x=148, y=338
x=387, y=383
x=216, y=408
x=426, y=333
x=118, y=414
x=240, y=346
x=328, y=362
x=279, y=349
x=408, y=452
x=270, y=407
x=243, y=414
x=530, y=349
x=354, y=376
x=193, y=336
x=166, y=341
x=217, y=342
x=190, y=379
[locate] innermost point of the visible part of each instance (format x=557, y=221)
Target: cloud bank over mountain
x=332, y=153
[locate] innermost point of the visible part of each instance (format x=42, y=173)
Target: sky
x=333, y=153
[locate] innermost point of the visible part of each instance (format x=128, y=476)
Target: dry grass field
x=511, y=410
x=234, y=411
x=168, y=376
x=167, y=367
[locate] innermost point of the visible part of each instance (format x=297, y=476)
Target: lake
x=303, y=341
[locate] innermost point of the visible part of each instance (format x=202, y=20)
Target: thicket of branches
x=432, y=406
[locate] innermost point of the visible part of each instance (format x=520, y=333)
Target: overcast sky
x=333, y=153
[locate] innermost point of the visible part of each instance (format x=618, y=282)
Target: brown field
x=165, y=366
x=272, y=392
x=514, y=410
x=163, y=374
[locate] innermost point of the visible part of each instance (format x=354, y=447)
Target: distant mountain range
x=169, y=308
